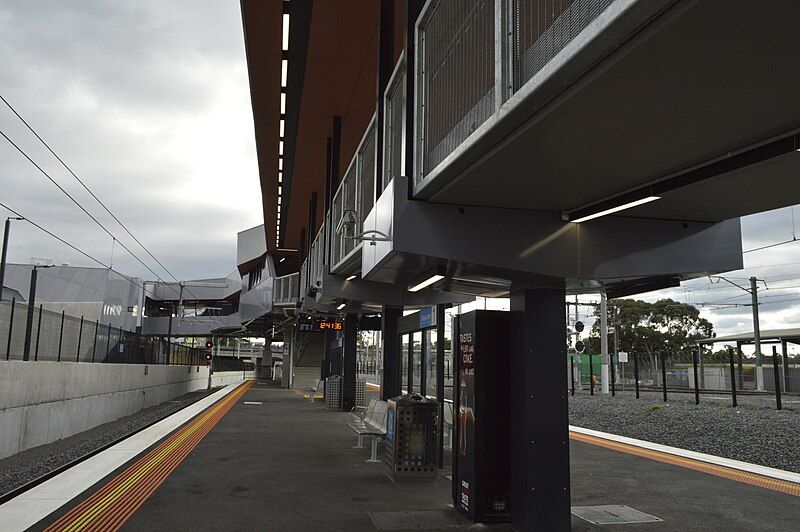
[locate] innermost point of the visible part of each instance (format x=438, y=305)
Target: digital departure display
x=320, y=325
x=329, y=325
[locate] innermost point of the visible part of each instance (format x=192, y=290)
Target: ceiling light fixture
x=283, y=103
x=618, y=208
x=284, y=72
x=427, y=282
x=340, y=307
x=285, y=31
x=351, y=277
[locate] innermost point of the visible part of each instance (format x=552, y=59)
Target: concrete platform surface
x=288, y=464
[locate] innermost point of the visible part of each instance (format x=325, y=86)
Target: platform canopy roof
x=331, y=71
x=791, y=335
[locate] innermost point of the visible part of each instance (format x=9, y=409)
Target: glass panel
x=431, y=358
x=367, y=158
x=417, y=359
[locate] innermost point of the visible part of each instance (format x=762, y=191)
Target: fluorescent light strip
x=281, y=127
x=285, y=31
x=427, y=282
x=284, y=72
x=280, y=164
x=280, y=147
x=351, y=277
x=280, y=177
x=283, y=103
x=340, y=307
x=616, y=209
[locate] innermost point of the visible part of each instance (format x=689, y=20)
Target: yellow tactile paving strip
x=113, y=504
x=745, y=477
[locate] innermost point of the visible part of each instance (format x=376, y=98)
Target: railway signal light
x=209, y=344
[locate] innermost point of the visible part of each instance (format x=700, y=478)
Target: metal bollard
x=777, y=377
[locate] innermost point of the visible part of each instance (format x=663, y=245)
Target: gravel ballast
x=753, y=432
x=31, y=464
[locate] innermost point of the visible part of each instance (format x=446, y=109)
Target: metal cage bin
x=333, y=392
x=412, y=432
x=361, y=392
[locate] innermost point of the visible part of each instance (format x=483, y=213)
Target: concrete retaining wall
x=41, y=402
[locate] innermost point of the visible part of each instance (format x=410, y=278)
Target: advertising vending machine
x=482, y=438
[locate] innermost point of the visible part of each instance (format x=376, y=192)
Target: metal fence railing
x=669, y=374
x=354, y=198
x=286, y=289
x=455, y=76
x=58, y=337
x=473, y=55
x=394, y=124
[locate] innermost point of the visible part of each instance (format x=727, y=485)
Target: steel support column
x=540, y=445
x=440, y=316
x=349, y=362
x=390, y=387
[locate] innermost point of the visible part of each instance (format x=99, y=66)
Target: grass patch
x=657, y=407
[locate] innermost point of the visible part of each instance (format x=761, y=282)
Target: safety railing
x=58, y=337
x=394, y=126
x=353, y=199
x=311, y=270
x=472, y=55
x=285, y=290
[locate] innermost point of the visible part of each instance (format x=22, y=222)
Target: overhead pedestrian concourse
x=415, y=156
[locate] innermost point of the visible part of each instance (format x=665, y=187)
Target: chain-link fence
x=41, y=335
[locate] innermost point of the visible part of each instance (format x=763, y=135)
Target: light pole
x=5, y=251
x=26, y=354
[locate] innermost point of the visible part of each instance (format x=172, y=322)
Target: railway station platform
x=258, y=457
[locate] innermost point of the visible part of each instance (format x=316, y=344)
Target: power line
x=99, y=201
x=96, y=221
x=85, y=254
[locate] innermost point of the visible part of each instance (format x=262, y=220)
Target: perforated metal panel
x=412, y=436
x=457, y=75
x=333, y=392
x=361, y=391
x=542, y=28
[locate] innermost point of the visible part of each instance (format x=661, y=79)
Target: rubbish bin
x=412, y=433
x=333, y=392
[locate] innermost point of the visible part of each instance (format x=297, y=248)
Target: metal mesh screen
x=542, y=28
x=458, y=75
x=350, y=187
x=395, y=116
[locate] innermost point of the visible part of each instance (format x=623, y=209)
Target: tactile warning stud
x=414, y=520
x=612, y=514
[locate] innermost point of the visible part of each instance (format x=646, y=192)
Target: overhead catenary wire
x=83, y=184
x=91, y=216
x=75, y=248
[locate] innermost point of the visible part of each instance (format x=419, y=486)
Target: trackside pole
x=636, y=372
x=591, y=375
x=733, y=376
x=572, y=376
x=777, y=377
x=696, y=382
x=664, y=375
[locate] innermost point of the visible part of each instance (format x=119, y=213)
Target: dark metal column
x=349, y=362
x=391, y=352
x=26, y=351
x=384, y=71
x=540, y=445
x=440, y=317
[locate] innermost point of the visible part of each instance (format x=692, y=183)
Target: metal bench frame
x=370, y=421
x=312, y=392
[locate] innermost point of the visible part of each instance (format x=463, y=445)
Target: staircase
x=308, y=360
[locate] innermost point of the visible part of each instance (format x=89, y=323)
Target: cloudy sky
x=148, y=102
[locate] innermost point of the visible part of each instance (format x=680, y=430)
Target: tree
x=648, y=329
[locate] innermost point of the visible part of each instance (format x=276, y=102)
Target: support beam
x=349, y=362
x=540, y=445
x=391, y=352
